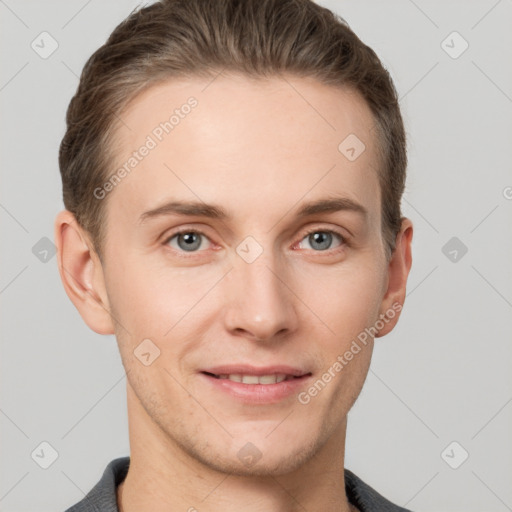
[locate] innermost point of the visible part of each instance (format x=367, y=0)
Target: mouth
x=271, y=378
x=256, y=385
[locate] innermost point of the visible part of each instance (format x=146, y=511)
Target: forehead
x=252, y=145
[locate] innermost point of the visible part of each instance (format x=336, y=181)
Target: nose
x=260, y=304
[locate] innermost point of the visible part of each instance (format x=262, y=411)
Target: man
x=232, y=175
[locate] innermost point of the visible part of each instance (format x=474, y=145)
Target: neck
x=162, y=476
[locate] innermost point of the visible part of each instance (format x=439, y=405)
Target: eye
x=321, y=240
x=187, y=240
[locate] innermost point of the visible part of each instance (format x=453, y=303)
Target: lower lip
x=258, y=393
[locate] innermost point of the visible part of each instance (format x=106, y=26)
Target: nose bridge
x=261, y=304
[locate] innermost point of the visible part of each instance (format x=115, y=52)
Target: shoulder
x=102, y=497
x=365, y=498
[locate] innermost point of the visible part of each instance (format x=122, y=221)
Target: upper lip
x=245, y=369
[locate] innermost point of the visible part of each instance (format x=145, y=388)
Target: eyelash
x=344, y=243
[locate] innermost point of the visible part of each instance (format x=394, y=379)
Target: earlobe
x=81, y=273
x=398, y=271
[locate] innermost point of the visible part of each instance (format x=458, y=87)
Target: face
x=215, y=260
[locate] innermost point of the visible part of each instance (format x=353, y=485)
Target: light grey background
x=443, y=375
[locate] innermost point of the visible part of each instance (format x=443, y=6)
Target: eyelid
x=324, y=229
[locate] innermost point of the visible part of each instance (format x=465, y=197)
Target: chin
x=271, y=459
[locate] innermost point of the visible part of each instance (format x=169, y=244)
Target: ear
x=81, y=273
x=398, y=271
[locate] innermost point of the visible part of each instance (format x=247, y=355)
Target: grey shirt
x=102, y=497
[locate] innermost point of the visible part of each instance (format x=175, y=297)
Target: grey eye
x=320, y=240
x=187, y=241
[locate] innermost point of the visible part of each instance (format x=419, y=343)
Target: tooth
x=267, y=379
x=255, y=379
x=250, y=379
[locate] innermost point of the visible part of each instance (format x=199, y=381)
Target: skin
x=260, y=151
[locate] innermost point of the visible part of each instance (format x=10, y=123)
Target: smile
x=273, y=378
x=254, y=386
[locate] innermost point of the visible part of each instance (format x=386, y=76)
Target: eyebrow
x=200, y=209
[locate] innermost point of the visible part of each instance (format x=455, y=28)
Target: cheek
x=139, y=299
x=150, y=299
x=155, y=301
x=347, y=299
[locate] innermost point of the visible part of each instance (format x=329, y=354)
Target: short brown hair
x=199, y=38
